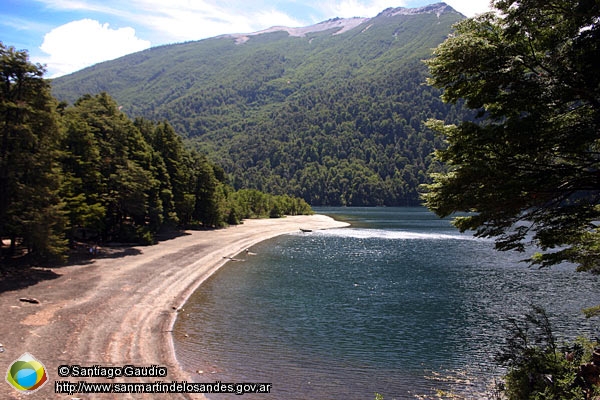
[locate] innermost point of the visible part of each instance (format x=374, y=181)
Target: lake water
x=400, y=303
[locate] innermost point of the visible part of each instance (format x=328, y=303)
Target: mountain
x=331, y=112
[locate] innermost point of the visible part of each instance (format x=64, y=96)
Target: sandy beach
x=119, y=308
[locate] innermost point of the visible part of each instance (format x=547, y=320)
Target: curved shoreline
x=316, y=222
x=120, y=310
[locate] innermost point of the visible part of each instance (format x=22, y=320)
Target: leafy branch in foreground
x=538, y=368
x=529, y=168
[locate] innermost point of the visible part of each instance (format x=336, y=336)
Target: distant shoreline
x=121, y=310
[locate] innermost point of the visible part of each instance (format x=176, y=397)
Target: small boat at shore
x=233, y=259
x=305, y=230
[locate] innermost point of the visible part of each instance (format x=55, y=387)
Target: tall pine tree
x=31, y=211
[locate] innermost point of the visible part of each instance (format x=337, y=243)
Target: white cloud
x=271, y=18
x=103, y=6
x=357, y=8
x=470, y=8
x=180, y=20
x=22, y=24
x=82, y=43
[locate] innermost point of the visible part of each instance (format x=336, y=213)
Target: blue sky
x=68, y=35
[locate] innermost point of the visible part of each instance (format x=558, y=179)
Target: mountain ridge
x=341, y=24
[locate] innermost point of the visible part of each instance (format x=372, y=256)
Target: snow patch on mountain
x=341, y=25
x=438, y=9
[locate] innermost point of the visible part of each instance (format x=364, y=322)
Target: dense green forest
x=336, y=119
x=88, y=172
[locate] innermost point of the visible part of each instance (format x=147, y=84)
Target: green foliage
x=114, y=168
x=528, y=169
x=88, y=172
x=251, y=203
x=31, y=209
x=130, y=179
x=537, y=368
x=592, y=311
x=334, y=119
x=206, y=207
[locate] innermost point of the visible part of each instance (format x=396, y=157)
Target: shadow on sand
x=15, y=277
x=20, y=272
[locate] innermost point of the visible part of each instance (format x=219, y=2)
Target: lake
x=400, y=303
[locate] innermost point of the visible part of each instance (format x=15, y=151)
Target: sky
x=69, y=35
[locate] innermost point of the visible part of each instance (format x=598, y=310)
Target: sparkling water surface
x=391, y=304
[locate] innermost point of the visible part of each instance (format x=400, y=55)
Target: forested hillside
x=88, y=173
x=336, y=118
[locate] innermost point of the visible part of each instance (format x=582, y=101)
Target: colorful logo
x=27, y=374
